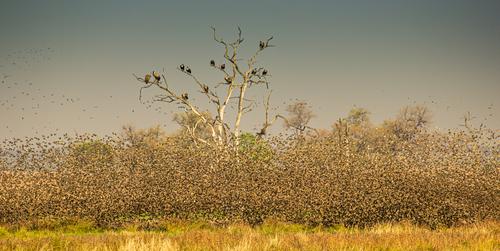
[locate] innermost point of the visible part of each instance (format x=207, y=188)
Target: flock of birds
x=22, y=100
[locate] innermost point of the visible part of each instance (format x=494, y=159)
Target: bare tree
x=415, y=116
x=237, y=79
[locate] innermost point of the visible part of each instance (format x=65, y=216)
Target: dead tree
x=237, y=79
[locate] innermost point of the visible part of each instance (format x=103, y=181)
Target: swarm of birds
x=38, y=174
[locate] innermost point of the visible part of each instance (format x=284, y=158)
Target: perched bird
x=262, y=45
x=147, y=78
x=228, y=79
x=188, y=70
x=264, y=72
x=185, y=96
x=205, y=88
x=254, y=71
x=212, y=63
x=223, y=66
x=262, y=132
x=156, y=75
x=182, y=67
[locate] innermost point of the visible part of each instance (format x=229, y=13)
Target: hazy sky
x=68, y=65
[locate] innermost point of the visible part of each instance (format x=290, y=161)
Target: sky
x=66, y=66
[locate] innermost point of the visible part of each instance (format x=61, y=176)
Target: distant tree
x=410, y=121
x=299, y=115
x=237, y=78
x=357, y=124
x=142, y=137
x=358, y=116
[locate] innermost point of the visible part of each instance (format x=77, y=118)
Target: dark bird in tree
x=264, y=72
x=156, y=75
x=147, y=78
x=188, y=70
x=228, y=79
x=262, y=132
x=185, y=96
x=212, y=63
x=205, y=88
x=254, y=71
x=182, y=67
x=262, y=45
x=222, y=66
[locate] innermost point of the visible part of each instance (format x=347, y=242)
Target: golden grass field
x=268, y=236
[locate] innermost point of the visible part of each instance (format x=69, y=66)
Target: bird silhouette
x=185, y=96
x=188, y=70
x=212, y=62
x=262, y=45
x=182, y=67
x=222, y=66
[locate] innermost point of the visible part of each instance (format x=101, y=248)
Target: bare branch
x=267, y=123
x=204, y=88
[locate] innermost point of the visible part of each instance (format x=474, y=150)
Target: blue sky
x=380, y=55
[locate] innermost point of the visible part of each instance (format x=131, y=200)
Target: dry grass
x=268, y=236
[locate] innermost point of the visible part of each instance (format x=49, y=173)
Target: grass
x=268, y=236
